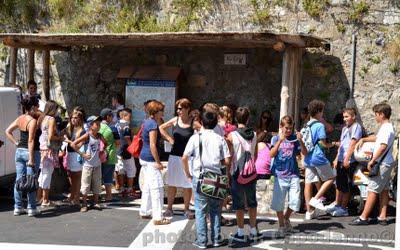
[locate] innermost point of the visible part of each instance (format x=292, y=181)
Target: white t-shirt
x=385, y=136
x=214, y=149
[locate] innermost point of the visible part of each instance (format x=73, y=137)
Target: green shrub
x=358, y=11
x=394, y=68
x=375, y=59
x=315, y=8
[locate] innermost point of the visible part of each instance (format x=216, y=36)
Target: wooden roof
x=46, y=41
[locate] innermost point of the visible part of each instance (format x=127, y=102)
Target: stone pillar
x=13, y=65
x=31, y=64
x=291, y=82
x=46, y=74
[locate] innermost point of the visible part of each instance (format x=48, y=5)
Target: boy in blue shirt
x=318, y=167
x=345, y=163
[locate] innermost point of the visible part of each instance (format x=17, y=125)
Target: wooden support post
x=291, y=80
x=31, y=64
x=46, y=74
x=13, y=65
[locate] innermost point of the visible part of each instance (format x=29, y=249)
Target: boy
x=379, y=185
x=243, y=194
x=126, y=164
x=111, y=136
x=286, y=146
x=345, y=163
x=91, y=171
x=318, y=167
x=215, y=153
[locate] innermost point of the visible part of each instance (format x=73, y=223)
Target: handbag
x=375, y=168
x=137, y=143
x=28, y=182
x=211, y=184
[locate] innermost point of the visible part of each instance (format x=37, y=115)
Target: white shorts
x=319, y=173
x=126, y=167
x=73, y=164
x=175, y=174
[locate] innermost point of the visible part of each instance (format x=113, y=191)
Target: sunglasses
x=179, y=109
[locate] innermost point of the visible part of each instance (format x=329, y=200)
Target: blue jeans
x=21, y=161
x=286, y=186
x=203, y=206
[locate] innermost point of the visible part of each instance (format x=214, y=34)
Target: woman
x=265, y=121
x=182, y=130
x=153, y=187
x=225, y=120
x=74, y=161
x=24, y=155
x=49, y=146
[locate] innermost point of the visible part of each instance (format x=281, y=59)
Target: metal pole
x=353, y=64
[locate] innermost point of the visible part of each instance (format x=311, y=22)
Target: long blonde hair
x=226, y=113
x=70, y=128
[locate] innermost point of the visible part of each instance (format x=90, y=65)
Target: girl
x=24, y=156
x=225, y=120
x=49, y=146
x=285, y=148
x=265, y=121
x=73, y=131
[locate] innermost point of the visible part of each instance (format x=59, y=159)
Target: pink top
x=229, y=128
x=263, y=161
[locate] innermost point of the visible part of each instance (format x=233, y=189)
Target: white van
x=10, y=109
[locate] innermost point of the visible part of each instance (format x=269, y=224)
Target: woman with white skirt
x=182, y=129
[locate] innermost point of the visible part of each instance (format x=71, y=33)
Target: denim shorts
x=243, y=195
x=107, y=171
x=290, y=186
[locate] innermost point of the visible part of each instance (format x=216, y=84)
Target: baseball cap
x=93, y=118
x=105, y=112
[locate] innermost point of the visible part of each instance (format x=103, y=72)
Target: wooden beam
x=46, y=74
x=291, y=78
x=13, y=65
x=31, y=64
x=30, y=45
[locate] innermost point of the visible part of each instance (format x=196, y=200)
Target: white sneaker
x=330, y=206
x=317, y=204
x=18, y=211
x=340, y=212
x=33, y=212
x=310, y=215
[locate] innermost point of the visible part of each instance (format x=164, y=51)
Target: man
x=116, y=101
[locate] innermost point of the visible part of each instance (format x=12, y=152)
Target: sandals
x=164, y=221
x=168, y=213
x=189, y=215
x=146, y=217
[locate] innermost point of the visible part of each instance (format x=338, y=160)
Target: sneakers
x=33, y=212
x=237, y=237
x=331, y=207
x=256, y=236
x=317, y=204
x=359, y=222
x=340, y=212
x=281, y=232
x=198, y=245
x=310, y=215
x=97, y=207
x=18, y=211
x=84, y=208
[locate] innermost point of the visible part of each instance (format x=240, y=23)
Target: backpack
x=246, y=172
x=102, y=151
x=137, y=143
x=307, y=136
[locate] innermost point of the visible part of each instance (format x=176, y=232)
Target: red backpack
x=137, y=143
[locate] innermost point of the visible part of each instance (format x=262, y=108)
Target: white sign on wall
x=235, y=59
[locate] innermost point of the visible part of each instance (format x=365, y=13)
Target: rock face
x=88, y=77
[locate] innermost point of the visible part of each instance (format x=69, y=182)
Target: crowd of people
x=94, y=151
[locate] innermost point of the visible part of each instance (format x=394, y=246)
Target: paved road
x=118, y=225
